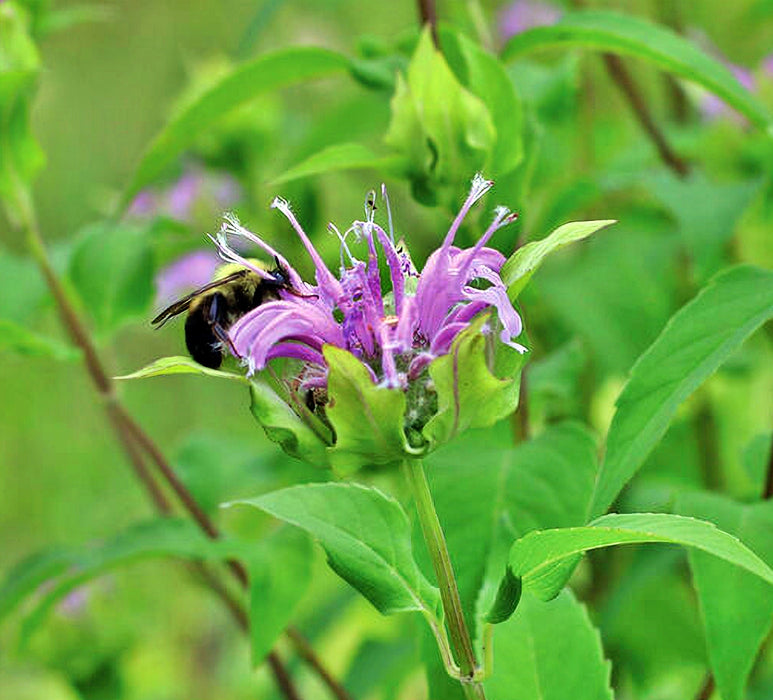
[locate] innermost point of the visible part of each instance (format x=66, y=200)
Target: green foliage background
x=148, y=631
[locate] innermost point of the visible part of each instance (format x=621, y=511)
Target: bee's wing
x=182, y=305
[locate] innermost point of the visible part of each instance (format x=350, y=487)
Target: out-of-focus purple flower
x=712, y=107
x=521, y=15
x=767, y=65
x=185, y=274
x=395, y=335
x=177, y=201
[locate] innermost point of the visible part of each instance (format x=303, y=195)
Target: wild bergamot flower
x=393, y=343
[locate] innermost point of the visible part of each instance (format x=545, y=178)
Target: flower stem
x=444, y=572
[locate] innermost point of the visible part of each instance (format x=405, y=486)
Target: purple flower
x=767, y=65
x=185, y=274
x=521, y=15
x=219, y=190
x=712, y=107
x=395, y=335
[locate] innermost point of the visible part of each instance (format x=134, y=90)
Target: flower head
x=395, y=331
x=394, y=334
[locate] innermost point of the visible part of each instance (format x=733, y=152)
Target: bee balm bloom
x=395, y=338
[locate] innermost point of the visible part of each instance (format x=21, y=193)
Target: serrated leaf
x=624, y=34
x=367, y=419
x=694, y=343
x=469, y=395
x=279, y=577
x=522, y=264
x=283, y=425
x=179, y=364
x=112, y=270
x=549, y=651
x=21, y=340
x=341, y=156
x=544, y=558
x=737, y=607
x=367, y=538
x=269, y=72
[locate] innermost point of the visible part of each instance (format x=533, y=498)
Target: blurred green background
x=149, y=632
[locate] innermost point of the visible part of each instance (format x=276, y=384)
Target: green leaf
x=279, y=577
x=544, y=558
x=305, y=440
x=485, y=77
x=180, y=364
x=623, y=34
x=707, y=213
x=367, y=419
x=737, y=607
x=694, y=343
x=112, y=270
x=469, y=395
x=367, y=538
x=443, y=132
x=549, y=651
x=23, y=341
x=546, y=482
x=25, y=577
x=158, y=538
x=522, y=264
x=341, y=156
x=508, y=597
x=20, y=156
x=266, y=73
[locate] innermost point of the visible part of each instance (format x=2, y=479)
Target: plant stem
x=444, y=572
x=767, y=493
x=428, y=16
x=134, y=441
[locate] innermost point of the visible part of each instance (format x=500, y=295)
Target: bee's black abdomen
x=200, y=338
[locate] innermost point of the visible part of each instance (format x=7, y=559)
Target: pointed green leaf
x=367, y=538
x=694, y=343
x=624, y=34
x=367, y=419
x=269, y=72
x=549, y=651
x=341, y=156
x=485, y=76
x=737, y=607
x=469, y=395
x=180, y=364
x=522, y=264
x=545, y=558
x=279, y=577
x=443, y=132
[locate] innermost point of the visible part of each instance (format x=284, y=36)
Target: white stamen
x=344, y=246
x=385, y=197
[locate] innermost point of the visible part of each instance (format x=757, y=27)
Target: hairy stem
x=135, y=441
x=444, y=572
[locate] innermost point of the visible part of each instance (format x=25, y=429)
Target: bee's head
x=280, y=276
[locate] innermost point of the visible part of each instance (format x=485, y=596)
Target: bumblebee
x=215, y=307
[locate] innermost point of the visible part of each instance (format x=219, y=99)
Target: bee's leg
x=222, y=335
x=217, y=328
